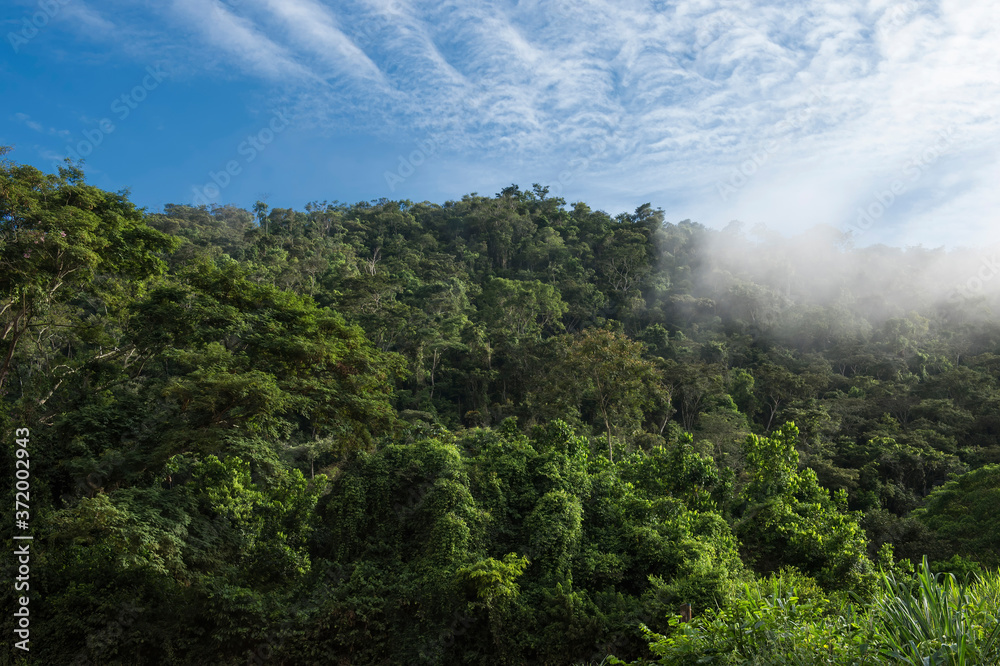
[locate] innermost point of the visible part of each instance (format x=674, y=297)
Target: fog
x=761, y=276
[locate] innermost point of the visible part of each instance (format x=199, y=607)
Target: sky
x=877, y=118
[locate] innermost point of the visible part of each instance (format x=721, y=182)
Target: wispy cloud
x=680, y=93
x=87, y=18
x=28, y=122
x=247, y=45
x=314, y=27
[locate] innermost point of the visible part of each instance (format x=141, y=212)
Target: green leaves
x=929, y=619
x=519, y=310
x=607, y=369
x=963, y=514
x=771, y=462
x=257, y=359
x=790, y=520
x=942, y=621
x=177, y=416
x=554, y=529
x=494, y=581
x=61, y=239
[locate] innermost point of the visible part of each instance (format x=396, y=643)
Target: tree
x=60, y=236
x=963, y=515
x=251, y=359
x=790, y=520
x=609, y=369
x=519, y=310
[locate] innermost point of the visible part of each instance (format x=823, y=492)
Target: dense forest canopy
x=498, y=430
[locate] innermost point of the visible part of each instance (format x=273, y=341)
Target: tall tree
x=60, y=236
x=609, y=369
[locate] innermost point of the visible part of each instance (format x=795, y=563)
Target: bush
x=923, y=620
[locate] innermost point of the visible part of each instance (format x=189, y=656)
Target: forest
x=500, y=430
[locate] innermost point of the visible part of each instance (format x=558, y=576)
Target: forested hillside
x=500, y=430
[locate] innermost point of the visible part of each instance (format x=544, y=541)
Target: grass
x=942, y=621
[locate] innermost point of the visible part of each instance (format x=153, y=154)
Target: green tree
x=60, y=237
x=962, y=514
x=790, y=520
x=608, y=369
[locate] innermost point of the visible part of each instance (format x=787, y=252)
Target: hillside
x=497, y=430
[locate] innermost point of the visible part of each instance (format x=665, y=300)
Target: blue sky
x=878, y=117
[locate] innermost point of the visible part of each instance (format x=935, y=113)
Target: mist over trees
x=495, y=430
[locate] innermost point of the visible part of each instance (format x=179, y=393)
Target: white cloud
x=681, y=93
x=313, y=26
x=28, y=122
x=248, y=45
x=87, y=19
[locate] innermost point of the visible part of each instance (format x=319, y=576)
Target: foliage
x=498, y=430
x=963, y=514
x=919, y=620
